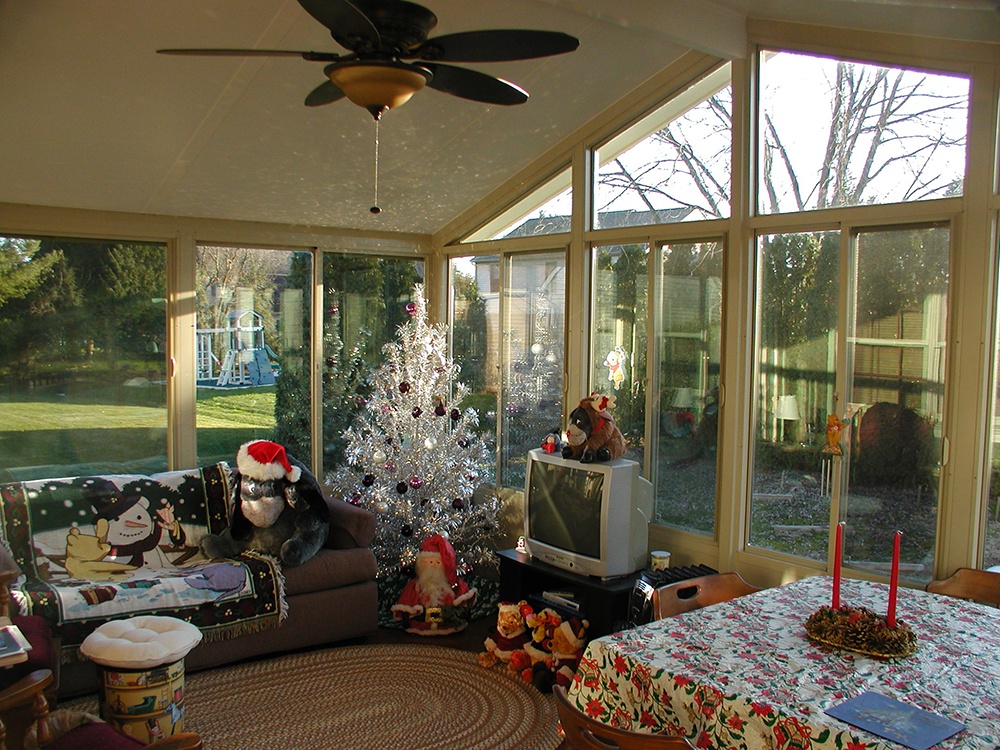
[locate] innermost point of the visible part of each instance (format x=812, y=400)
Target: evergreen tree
x=414, y=458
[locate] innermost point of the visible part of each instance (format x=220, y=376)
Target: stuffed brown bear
x=592, y=434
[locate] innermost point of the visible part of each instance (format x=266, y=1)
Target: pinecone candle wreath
x=858, y=628
x=862, y=630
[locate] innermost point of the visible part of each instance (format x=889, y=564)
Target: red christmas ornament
x=416, y=482
x=404, y=387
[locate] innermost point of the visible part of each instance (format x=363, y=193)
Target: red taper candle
x=890, y=618
x=838, y=554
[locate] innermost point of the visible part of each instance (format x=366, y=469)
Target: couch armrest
x=350, y=526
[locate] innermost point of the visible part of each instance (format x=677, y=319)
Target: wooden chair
x=29, y=692
x=584, y=733
x=44, y=653
x=695, y=593
x=968, y=583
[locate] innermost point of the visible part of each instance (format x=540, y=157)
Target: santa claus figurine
x=437, y=601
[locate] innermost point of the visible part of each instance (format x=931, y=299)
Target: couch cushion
x=350, y=526
x=329, y=569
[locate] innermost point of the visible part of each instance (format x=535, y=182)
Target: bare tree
x=887, y=135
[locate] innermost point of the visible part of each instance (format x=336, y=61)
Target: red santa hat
x=263, y=460
x=574, y=630
x=436, y=545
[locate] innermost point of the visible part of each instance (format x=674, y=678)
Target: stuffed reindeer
x=592, y=434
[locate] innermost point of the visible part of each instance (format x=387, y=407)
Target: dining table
x=743, y=674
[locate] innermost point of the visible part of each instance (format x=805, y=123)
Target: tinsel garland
x=862, y=630
x=415, y=457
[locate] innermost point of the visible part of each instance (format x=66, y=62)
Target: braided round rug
x=382, y=697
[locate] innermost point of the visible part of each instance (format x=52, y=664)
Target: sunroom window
x=836, y=133
x=545, y=210
x=673, y=165
x=83, y=360
x=507, y=340
x=253, y=345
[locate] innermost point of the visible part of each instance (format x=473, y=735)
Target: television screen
x=565, y=508
x=591, y=519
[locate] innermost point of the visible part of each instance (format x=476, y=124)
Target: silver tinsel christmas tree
x=414, y=458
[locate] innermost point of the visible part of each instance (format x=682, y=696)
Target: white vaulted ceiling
x=91, y=117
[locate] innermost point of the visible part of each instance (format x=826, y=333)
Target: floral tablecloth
x=742, y=674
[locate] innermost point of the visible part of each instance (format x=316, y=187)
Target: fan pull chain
x=375, y=209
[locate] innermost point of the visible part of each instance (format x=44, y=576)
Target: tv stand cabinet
x=603, y=602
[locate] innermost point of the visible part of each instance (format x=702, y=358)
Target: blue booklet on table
x=895, y=720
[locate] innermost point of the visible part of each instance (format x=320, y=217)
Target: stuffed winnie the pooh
x=592, y=434
x=509, y=636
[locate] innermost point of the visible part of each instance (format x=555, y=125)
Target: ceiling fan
x=384, y=35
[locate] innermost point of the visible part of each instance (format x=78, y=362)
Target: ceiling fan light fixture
x=378, y=85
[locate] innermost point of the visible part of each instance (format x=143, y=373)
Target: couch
x=246, y=607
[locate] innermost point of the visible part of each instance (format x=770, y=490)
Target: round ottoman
x=142, y=673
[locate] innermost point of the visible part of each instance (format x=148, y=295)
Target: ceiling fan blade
x=325, y=93
x=344, y=20
x=471, y=84
x=496, y=45
x=312, y=56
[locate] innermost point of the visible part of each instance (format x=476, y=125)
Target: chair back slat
x=585, y=733
x=968, y=583
x=695, y=593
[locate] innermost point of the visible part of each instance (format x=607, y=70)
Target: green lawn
x=54, y=432
x=246, y=408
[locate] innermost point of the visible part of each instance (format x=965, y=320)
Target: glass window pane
x=838, y=133
x=991, y=548
x=797, y=307
x=673, y=165
x=879, y=464
x=688, y=365
x=618, y=338
x=900, y=327
x=253, y=342
x=365, y=298
x=546, y=210
x=82, y=357
x=533, y=333
x=474, y=331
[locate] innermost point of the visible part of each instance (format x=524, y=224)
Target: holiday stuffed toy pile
x=543, y=647
x=278, y=508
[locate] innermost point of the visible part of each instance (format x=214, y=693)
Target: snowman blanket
x=97, y=548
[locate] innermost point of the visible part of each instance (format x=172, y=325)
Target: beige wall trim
x=73, y=222
x=940, y=54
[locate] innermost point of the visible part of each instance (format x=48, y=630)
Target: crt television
x=591, y=518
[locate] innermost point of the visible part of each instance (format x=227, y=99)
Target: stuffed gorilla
x=278, y=508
